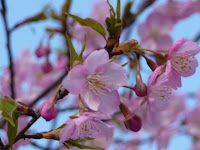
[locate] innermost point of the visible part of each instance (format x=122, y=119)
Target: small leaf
x=73, y=55
x=118, y=10
x=8, y=107
x=83, y=48
x=12, y=131
x=72, y=143
x=89, y=22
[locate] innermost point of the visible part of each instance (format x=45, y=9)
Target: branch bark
x=8, y=45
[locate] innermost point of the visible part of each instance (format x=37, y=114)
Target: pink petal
x=109, y=102
x=189, y=47
x=90, y=99
x=175, y=46
x=96, y=59
x=113, y=75
x=175, y=79
x=185, y=67
x=67, y=131
x=76, y=79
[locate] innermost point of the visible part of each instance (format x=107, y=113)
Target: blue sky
x=30, y=35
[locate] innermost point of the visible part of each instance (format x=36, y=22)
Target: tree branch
x=11, y=65
x=51, y=87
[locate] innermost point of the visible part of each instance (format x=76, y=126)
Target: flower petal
x=109, y=102
x=113, y=75
x=90, y=99
x=76, y=79
x=96, y=59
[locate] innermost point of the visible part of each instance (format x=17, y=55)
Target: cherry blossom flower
x=181, y=57
x=154, y=32
x=100, y=11
x=87, y=125
x=97, y=81
x=193, y=122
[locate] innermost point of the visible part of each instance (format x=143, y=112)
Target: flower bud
x=126, y=46
x=48, y=114
x=47, y=67
x=132, y=121
x=41, y=51
x=140, y=87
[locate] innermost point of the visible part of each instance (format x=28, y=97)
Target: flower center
x=97, y=85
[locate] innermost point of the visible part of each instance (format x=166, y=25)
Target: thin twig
x=51, y=87
x=11, y=65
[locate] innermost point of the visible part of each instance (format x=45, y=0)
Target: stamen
x=97, y=84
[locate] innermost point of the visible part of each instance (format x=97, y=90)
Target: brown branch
x=11, y=65
x=197, y=38
x=129, y=21
x=51, y=87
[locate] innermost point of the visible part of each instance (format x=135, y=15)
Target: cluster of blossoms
x=97, y=83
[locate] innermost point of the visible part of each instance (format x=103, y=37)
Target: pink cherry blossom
x=193, y=122
x=163, y=137
x=100, y=11
x=87, y=125
x=175, y=11
x=97, y=81
x=154, y=32
x=181, y=57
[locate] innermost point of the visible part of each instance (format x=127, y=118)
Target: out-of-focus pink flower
x=195, y=146
x=193, y=122
x=100, y=11
x=176, y=11
x=163, y=137
x=48, y=114
x=181, y=57
x=42, y=50
x=97, y=81
x=87, y=125
x=154, y=32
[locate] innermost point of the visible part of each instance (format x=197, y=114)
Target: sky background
x=30, y=35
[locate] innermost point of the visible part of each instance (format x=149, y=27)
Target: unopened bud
x=47, y=67
x=140, y=87
x=126, y=46
x=132, y=121
x=48, y=114
x=41, y=50
x=151, y=64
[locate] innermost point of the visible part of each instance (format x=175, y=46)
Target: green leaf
x=83, y=48
x=73, y=55
x=12, y=131
x=72, y=143
x=89, y=22
x=118, y=10
x=8, y=107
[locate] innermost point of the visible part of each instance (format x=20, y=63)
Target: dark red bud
x=140, y=87
x=133, y=123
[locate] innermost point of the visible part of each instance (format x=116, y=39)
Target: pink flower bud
x=47, y=67
x=41, y=50
x=48, y=114
x=133, y=123
x=140, y=87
